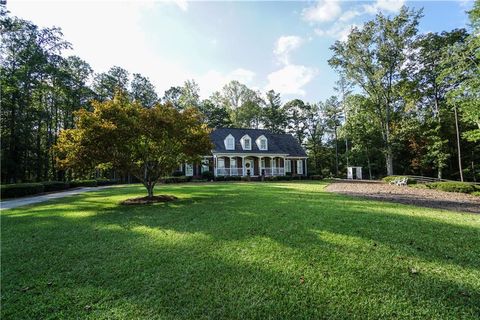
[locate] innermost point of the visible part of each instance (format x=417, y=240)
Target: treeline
x=400, y=98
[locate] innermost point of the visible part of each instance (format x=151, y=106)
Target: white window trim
x=299, y=166
x=226, y=142
x=258, y=141
x=242, y=141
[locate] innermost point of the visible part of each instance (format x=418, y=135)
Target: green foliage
x=207, y=175
x=105, y=182
x=55, y=185
x=20, y=190
x=83, y=183
x=179, y=179
x=462, y=187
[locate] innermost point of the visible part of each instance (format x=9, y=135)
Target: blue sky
x=266, y=45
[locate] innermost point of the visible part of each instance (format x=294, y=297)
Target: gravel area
x=402, y=194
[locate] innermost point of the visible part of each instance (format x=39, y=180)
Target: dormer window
x=229, y=142
x=246, y=142
x=262, y=143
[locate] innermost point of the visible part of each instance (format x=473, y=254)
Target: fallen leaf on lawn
x=413, y=271
x=302, y=279
x=88, y=308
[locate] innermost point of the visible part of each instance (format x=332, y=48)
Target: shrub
x=105, y=182
x=463, y=187
x=83, y=183
x=207, y=175
x=390, y=179
x=476, y=193
x=181, y=179
x=49, y=186
x=20, y=189
x=177, y=173
x=200, y=180
x=233, y=178
x=316, y=177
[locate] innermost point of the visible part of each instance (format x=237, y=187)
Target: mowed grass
x=238, y=251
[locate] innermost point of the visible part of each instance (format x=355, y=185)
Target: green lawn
x=238, y=251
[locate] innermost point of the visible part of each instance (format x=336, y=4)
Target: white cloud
x=349, y=15
x=388, y=6
x=121, y=41
x=322, y=11
x=214, y=80
x=290, y=79
x=285, y=45
x=338, y=31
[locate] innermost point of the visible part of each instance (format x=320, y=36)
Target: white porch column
x=230, y=167
x=283, y=158
x=306, y=165
x=214, y=165
x=243, y=166
x=260, y=165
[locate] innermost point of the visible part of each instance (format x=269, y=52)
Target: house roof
x=277, y=143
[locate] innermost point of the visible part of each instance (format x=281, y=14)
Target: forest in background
x=405, y=103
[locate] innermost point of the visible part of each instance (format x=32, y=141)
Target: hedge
x=390, y=179
x=83, y=183
x=462, y=187
x=55, y=185
x=106, y=182
x=181, y=179
x=20, y=189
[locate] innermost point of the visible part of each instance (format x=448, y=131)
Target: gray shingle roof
x=277, y=143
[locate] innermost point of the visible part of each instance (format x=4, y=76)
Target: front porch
x=225, y=165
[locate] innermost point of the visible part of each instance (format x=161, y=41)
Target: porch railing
x=239, y=171
x=229, y=172
x=273, y=171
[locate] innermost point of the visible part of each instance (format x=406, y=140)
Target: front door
x=249, y=168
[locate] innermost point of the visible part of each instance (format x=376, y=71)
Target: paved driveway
x=14, y=203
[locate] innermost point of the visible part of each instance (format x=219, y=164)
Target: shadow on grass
x=236, y=252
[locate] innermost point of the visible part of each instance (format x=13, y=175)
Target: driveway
x=15, y=203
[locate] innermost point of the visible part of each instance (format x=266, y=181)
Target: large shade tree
x=373, y=58
x=149, y=143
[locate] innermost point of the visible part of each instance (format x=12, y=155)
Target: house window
x=262, y=143
x=263, y=163
x=205, y=166
x=246, y=142
x=299, y=166
x=188, y=170
x=233, y=163
x=230, y=142
x=288, y=165
x=221, y=163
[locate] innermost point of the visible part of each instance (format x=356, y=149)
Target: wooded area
x=406, y=103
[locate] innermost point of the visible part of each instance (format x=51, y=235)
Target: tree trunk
x=389, y=161
x=458, y=145
x=150, y=190
x=369, y=166
x=439, y=173
x=336, y=152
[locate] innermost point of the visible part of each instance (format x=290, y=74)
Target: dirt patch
x=147, y=200
x=402, y=194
